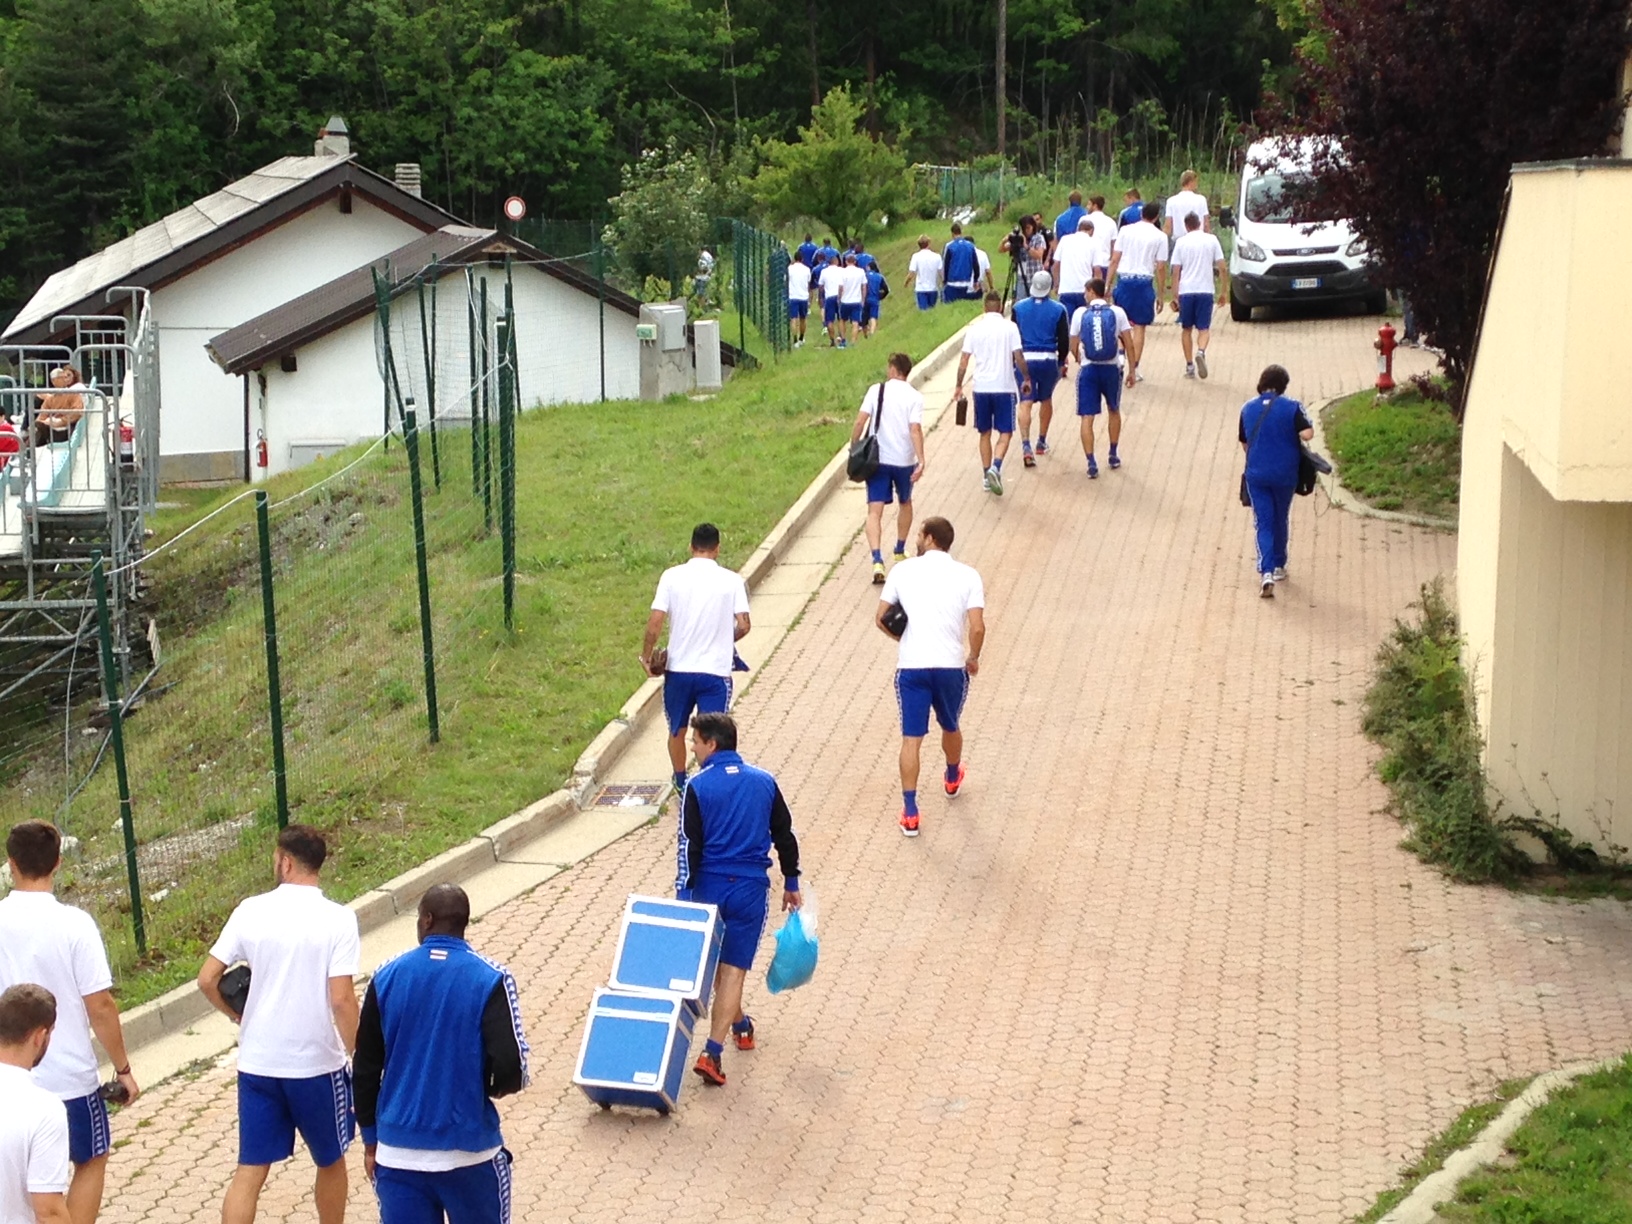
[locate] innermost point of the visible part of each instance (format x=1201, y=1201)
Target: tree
x=834, y=172
x=661, y=217
x=1425, y=106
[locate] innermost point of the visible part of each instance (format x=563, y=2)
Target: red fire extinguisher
x=1385, y=347
x=127, y=444
x=260, y=448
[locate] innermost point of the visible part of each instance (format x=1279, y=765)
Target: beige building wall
x=1544, y=566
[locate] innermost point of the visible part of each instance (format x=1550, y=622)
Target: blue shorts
x=1196, y=310
x=830, y=310
x=475, y=1194
x=994, y=410
x=684, y=692
x=88, y=1134
x=1137, y=296
x=871, y=312
x=927, y=299
x=798, y=308
x=272, y=1109
x=744, y=902
x=960, y=293
x=850, y=312
x=891, y=478
x=918, y=689
x=1073, y=302
x=1096, y=382
x=1045, y=376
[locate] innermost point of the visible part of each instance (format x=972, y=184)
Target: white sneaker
x=1266, y=588
x=1189, y=371
x=994, y=481
x=989, y=481
x=1280, y=573
x=1201, y=363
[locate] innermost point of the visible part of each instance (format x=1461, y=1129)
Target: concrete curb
x=1418, y=1207
x=1343, y=499
x=174, y=1011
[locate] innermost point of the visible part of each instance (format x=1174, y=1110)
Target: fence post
x=470, y=345
x=514, y=351
x=741, y=272
x=507, y=477
x=116, y=733
x=427, y=337
x=382, y=309
x=410, y=435
x=600, y=284
x=487, y=438
x=274, y=680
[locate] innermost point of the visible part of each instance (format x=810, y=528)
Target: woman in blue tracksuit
x=1271, y=429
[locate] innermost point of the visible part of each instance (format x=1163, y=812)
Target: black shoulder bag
x=1246, y=499
x=863, y=461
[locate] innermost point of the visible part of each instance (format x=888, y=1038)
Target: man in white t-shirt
x=706, y=606
x=983, y=270
x=33, y=1123
x=798, y=301
x=1074, y=265
x=298, y=1027
x=1182, y=203
x=925, y=267
x=1099, y=339
x=943, y=599
x=994, y=344
x=1104, y=236
x=59, y=947
x=899, y=410
x=828, y=280
x=1197, y=259
x=852, y=297
x=1138, y=268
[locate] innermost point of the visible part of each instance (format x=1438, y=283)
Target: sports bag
x=863, y=461
x=1099, y=333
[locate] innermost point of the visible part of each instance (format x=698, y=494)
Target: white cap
x=1042, y=284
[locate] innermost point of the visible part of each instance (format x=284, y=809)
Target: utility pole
x=1002, y=77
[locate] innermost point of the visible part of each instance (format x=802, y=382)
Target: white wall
x=335, y=394
x=202, y=409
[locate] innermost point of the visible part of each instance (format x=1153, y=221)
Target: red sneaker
x=953, y=786
x=708, y=1069
x=744, y=1037
x=909, y=825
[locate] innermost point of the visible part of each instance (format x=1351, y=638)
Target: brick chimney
x=333, y=139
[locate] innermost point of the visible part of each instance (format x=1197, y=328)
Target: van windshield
x=1284, y=198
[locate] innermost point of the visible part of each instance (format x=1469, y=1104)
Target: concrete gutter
x=175, y=1012
x=1418, y=1207
x=1343, y=499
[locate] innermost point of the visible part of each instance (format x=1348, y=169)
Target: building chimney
x=407, y=177
x=333, y=139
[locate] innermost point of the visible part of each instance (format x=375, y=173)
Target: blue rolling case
x=635, y=1050
x=668, y=948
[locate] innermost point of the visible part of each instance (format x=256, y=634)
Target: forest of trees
x=115, y=112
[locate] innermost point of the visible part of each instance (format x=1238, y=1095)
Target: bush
x=1420, y=711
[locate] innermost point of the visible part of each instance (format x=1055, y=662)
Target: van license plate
x=1306, y=282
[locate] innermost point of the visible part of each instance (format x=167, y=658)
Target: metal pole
x=475, y=439
x=507, y=477
x=274, y=681
x=427, y=642
x=514, y=351
x=427, y=337
x=382, y=306
x=487, y=438
x=600, y=284
x=737, y=260
x=116, y=733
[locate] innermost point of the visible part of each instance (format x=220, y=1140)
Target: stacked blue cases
x=638, y=1036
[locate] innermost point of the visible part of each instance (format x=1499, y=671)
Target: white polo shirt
x=828, y=282
x=853, y=285
x=1104, y=236
x=1194, y=255
x=1075, y=255
x=983, y=265
x=59, y=947
x=903, y=408
x=1180, y=205
x=701, y=599
x=295, y=939
x=936, y=592
x=33, y=1144
x=991, y=342
x=1143, y=246
x=926, y=267
x=798, y=281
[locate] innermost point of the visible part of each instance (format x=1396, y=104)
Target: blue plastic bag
x=796, y=948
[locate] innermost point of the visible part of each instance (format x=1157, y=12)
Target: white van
x=1281, y=256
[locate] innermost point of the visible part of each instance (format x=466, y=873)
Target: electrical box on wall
x=646, y=333
x=665, y=366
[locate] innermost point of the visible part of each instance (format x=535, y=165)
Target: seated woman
x=59, y=410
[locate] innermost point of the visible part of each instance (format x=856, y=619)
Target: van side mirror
x=1226, y=217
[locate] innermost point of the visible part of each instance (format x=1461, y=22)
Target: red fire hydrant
x=1385, y=347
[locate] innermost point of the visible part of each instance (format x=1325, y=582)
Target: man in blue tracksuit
x=962, y=268
x=1045, y=336
x=732, y=815
x=440, y=1038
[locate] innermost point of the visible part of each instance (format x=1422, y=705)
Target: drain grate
x=635, y=794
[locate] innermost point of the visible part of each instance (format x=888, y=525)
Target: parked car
x=1285, y=250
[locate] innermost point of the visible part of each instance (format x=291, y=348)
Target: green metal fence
x=759, y=286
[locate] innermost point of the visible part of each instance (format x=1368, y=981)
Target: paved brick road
x=1162, y=961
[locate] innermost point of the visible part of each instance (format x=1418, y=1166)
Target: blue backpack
x=1099, y=333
